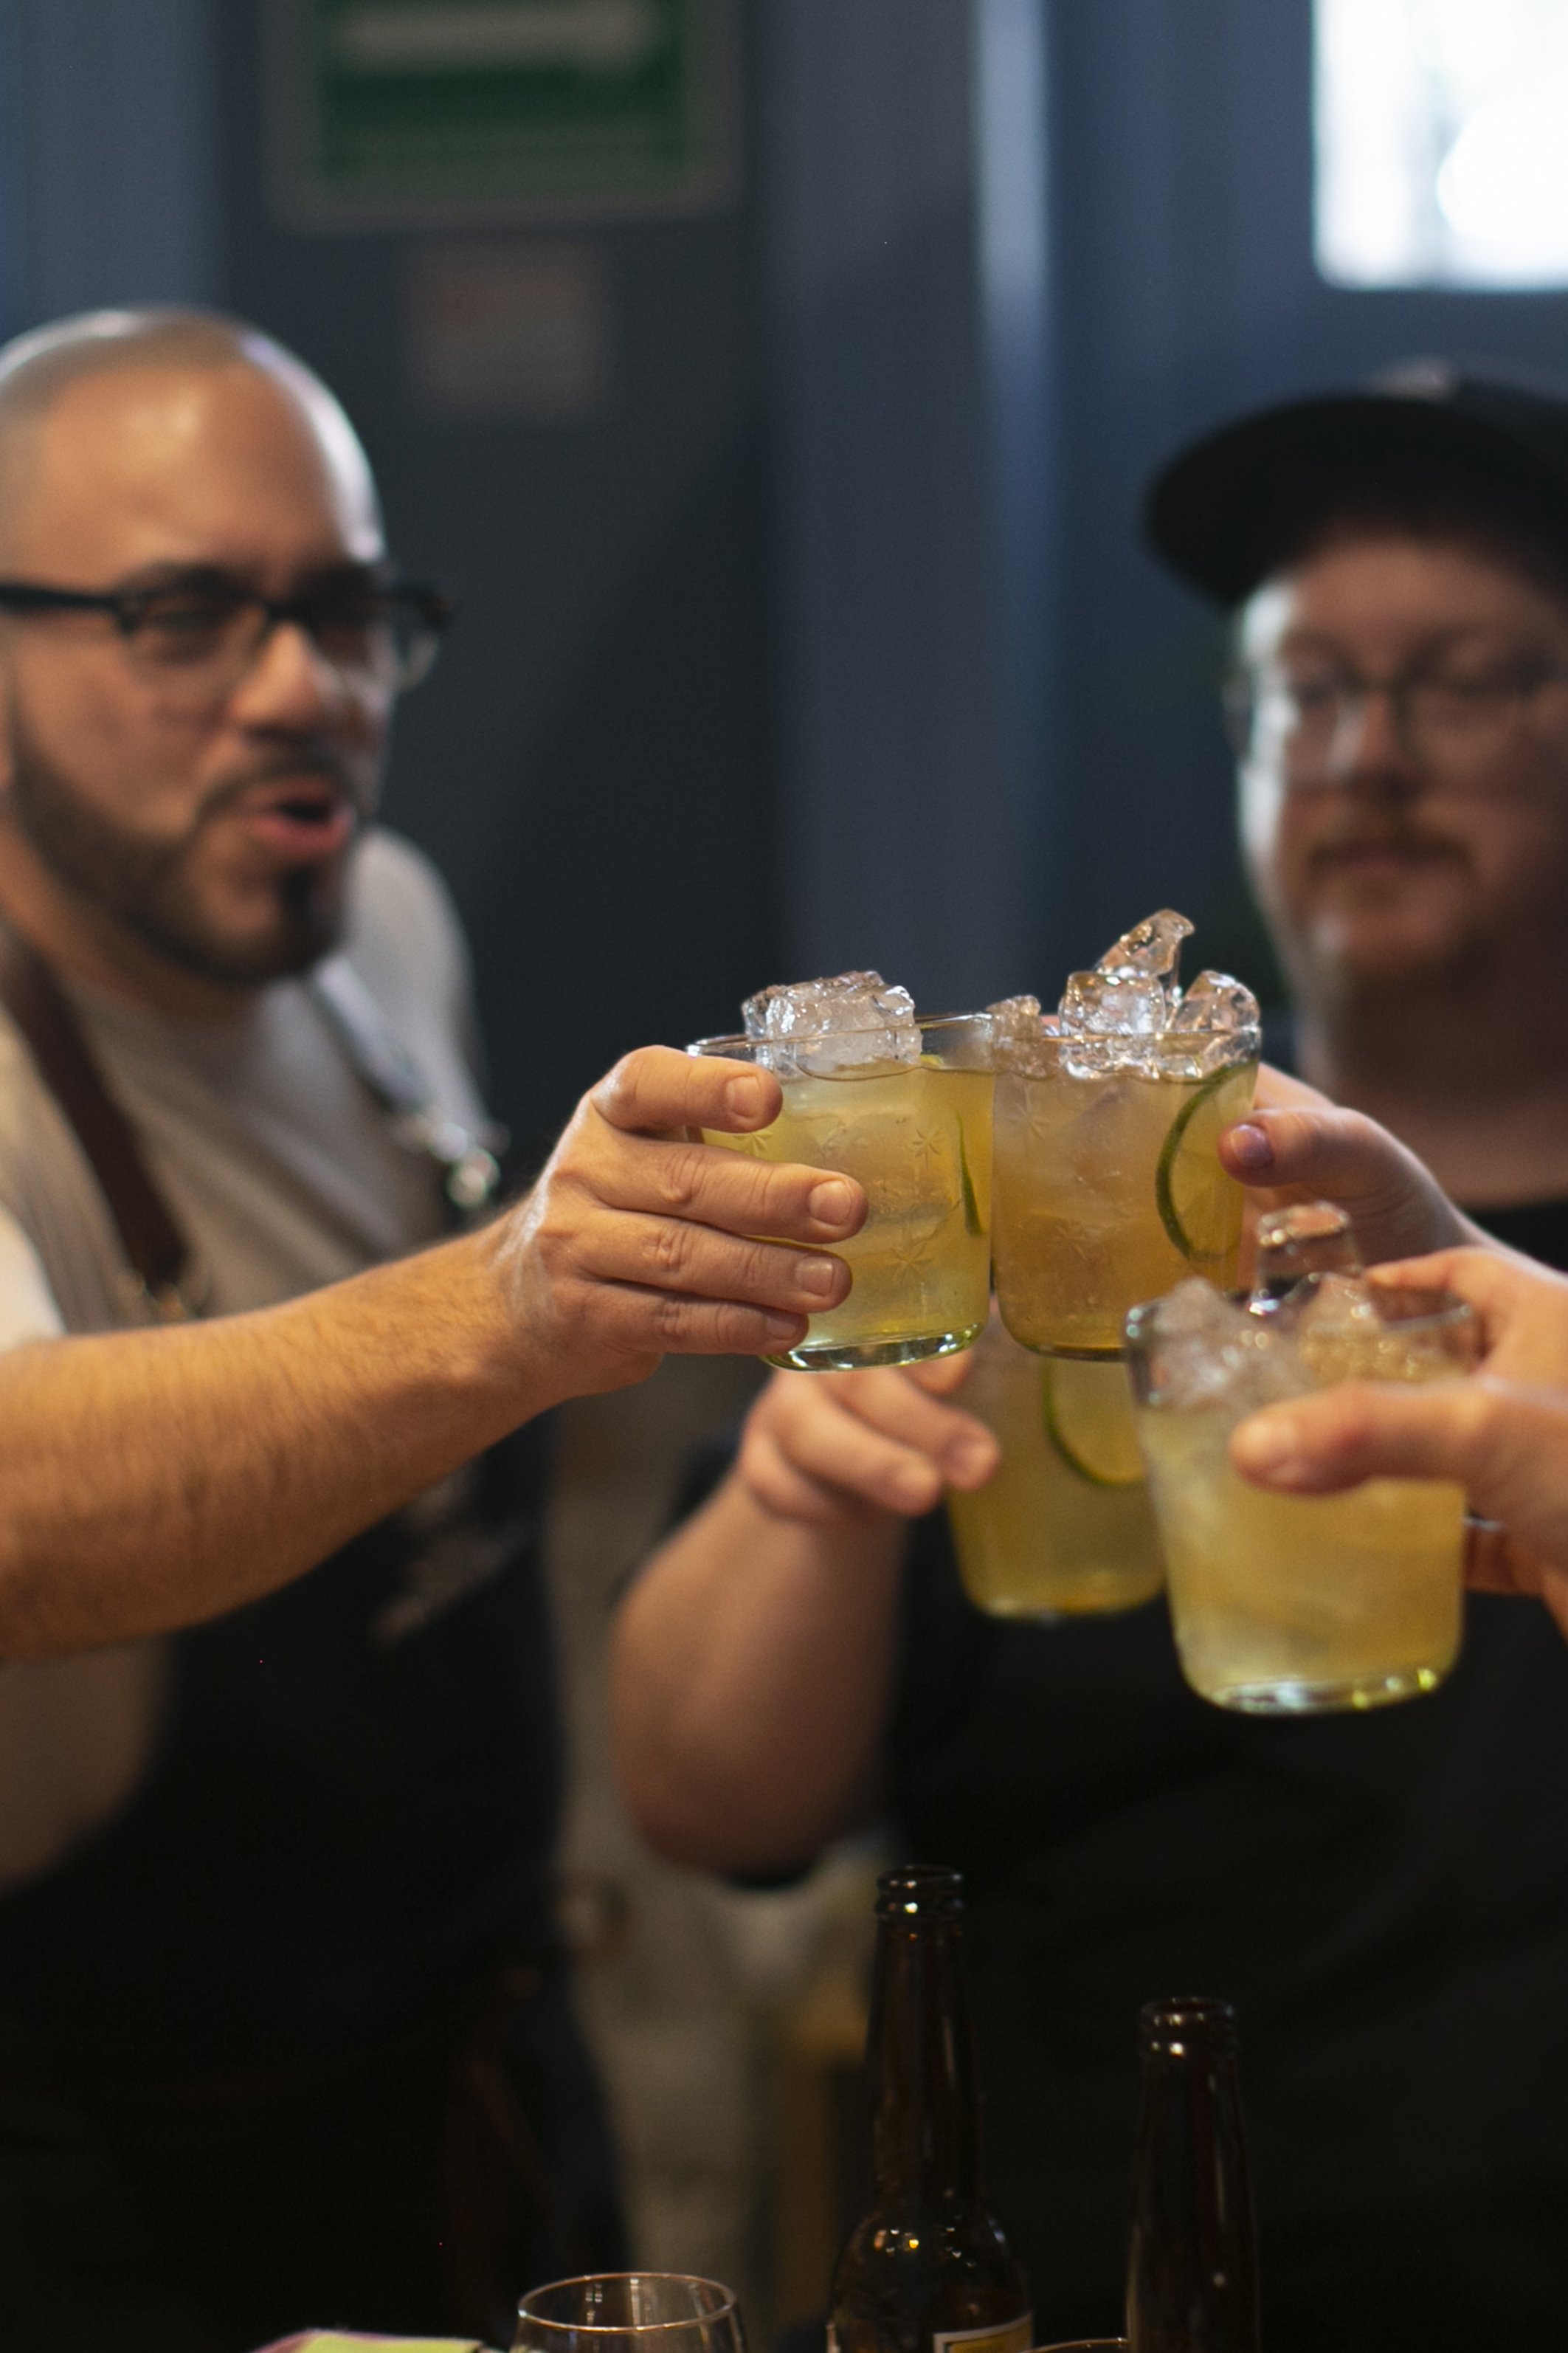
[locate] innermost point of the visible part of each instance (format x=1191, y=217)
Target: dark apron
x=296, y=2023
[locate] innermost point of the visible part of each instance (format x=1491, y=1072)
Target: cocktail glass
x=1294, y=1604
x=917, y=1136
x=1109, y=1186
x=630, y=2312
x=1064, y=1528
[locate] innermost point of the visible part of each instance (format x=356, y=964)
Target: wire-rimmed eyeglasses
x=1307, y=722
x=197, y=634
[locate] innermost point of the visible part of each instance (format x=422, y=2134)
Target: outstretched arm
x=752, y=1663
x=154, y=1479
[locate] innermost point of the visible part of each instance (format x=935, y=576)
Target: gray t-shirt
x=285, y=1174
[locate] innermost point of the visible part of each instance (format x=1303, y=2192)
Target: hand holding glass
x=1292, y=1604
x=916, y=1134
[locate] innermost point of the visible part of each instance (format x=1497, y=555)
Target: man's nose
x=1371, y=751
x=290, y=684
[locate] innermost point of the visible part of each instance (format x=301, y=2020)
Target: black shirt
x=1384, y=1899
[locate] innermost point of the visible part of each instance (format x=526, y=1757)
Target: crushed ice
x=812, y=1029
x=1018, y=1038
x=1210, y=1350
x=1130, y=1014
x=1152, y=950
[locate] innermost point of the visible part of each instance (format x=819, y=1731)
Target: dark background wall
x=828, y=641
x=1182, y=189
x=592, y=763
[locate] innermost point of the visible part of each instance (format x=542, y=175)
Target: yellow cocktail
x=917, y=1136
x=1109, y=1189
x=1064, y=1528
x=1290, y=1604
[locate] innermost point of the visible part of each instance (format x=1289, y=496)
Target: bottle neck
x=1192, y=2285
x=925, y=2124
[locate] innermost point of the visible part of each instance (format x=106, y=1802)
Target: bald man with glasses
x=284, y=2029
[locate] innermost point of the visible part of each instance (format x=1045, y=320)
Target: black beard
x=144, y=886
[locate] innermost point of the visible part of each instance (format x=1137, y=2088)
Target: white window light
x=1442, y=143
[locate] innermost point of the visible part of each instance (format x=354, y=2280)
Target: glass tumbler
x=1064, y=1528
x=917, y=1136
x=630, y=2311
x=1297, y=1604
x=1109, y=1187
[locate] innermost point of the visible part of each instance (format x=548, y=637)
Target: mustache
x=320, y=762
x=1355, y=829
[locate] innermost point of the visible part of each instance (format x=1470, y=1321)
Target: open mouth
x=299, y=818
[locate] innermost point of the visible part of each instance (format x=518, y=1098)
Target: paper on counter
x=331, y=2340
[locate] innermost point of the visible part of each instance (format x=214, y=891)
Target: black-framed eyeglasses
x=1447, y=720
x=198, y=633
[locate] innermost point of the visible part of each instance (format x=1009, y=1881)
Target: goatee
x=145, y=886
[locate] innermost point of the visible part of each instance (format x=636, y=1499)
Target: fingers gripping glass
x=197, y=636
x=1446, y=721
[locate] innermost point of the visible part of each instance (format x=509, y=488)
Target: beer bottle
x=928, y=2269
x=1192, y=2280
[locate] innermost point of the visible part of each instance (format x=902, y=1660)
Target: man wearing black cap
x=1398, y=559
x=1384, y=1899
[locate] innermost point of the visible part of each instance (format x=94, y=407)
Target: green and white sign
x=419, y=112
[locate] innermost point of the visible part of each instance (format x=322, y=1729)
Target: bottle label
x=1011, y=2337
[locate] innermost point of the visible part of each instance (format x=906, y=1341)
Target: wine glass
x=630, y=2311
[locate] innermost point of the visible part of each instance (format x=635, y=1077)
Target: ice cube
x=1110, y=1007
x=1017, y=1041
x=1115, y=1005
x=1215, y=1001
x=1125, y=1002
x=1129, y=993
x=814, y=1028
x=1209, y=1351
x=1308, y=1237
x=1195, y=1309
x=1333, y=1303
x=1128, y=1014
x=1150, y=950
x=1337, y=1330
x=1226, y=1013
x=1433, y=1350
x=1426, y=1335
x=1344, y=1327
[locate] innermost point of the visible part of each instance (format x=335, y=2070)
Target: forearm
x=154, y=1479
x=752, y=1676
x=150, y=1479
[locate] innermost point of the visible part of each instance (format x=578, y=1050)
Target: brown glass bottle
x=927, y=2270
x=1191, y=2279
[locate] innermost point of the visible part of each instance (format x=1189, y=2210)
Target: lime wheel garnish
x=1189, y=1178
x=1087, y=1416
x=972, y=1223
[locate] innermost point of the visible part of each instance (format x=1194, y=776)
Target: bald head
x=159, y=811
x=101, y=365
